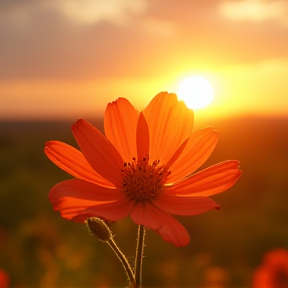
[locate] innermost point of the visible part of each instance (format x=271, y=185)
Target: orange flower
x=4, y=279
x=142, y=168
x=273, y=272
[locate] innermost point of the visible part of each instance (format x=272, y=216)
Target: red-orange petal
x=144, y=213
x=77, y=200
x=120, y=124
x=209, y=181
x=195, y=152
x=99, y=152
x=170, y=122
x=184, y=205
x=73, y=162
x=142, y=137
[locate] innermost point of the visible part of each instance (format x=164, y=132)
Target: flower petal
x=170, y=122
x=73, y=162
x=142, y=137
x=197, y=150
x=181, y=205
x=120, y=123
x=77, y=200
x=99, y=152
x=209, y=181
x=144, y=213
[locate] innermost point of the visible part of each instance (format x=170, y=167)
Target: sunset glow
x=101, y=50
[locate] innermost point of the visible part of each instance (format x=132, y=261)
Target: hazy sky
x=69, y=58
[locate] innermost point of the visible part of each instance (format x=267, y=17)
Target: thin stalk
x=123, y=260
x=139, y=256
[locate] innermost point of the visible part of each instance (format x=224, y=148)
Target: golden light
x=196, y=92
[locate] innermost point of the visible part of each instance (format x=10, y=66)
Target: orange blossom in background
x=273, y=271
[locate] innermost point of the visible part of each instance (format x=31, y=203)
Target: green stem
x=123, y=260
x=139, y=256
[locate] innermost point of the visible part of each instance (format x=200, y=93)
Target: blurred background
x=61, y=60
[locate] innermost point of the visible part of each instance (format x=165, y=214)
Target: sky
x=62, y=59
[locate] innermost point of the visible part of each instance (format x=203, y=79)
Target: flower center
x=143, y=181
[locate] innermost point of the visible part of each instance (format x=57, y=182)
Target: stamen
x=143, y=181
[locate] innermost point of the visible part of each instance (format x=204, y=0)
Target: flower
x=273, y=271
x=142, y=168
x=4, y=279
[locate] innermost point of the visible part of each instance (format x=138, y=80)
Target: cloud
x=82, y=12
x=255, y=10
x=81, y=39
x=91, y=11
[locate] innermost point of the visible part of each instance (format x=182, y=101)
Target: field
x=40, y=249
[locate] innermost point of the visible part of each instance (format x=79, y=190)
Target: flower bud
x=99, y=229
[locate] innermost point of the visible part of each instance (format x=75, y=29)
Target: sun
x=196, y=92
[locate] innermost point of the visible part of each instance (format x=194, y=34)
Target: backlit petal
x=77, y=199
x=120, y=123
x=99, y=152
x=168, y=227
x=73, y=162
x=189, y=205
x=196, y=151
x=142, y=137
x=170, y=122
x=209, y=181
